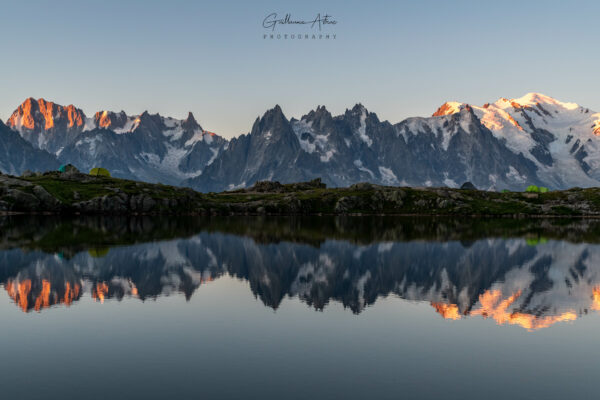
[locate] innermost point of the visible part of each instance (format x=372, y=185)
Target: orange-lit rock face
x=75, y=117
x=102, y=119
x=46, y=109
x=43, y=300
x=518, y=106
x=596, y=299
x=41, y=115
x=448, y=311
x=100, y=291
x=24, y=295
x=514, y=122
x=494, y=306
x=446, y=109
x=19, y=292
x=596, y=127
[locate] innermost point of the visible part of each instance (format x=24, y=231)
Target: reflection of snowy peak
x=509, y=281
x=546, y=284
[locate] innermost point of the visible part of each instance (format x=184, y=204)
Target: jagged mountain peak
x=320, y=116
x=147, y=118
x=449, y=107
x=357, y=110
x=110, y=120
x=190, y=123
x=273, y=116
x=41, y=115
x=358, y=107
x=275, y=111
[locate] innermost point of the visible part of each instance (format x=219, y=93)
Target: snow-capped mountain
x=145, y=147
x=508, y=144
x=357, y=147
x=561, y=139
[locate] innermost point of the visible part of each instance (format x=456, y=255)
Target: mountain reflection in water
x=530, y=273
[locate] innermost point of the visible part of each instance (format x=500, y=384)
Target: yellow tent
x=98, y=171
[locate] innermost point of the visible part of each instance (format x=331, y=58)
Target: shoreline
x=73, y=193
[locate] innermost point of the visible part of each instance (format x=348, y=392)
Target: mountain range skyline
x=507, y=144
x=100, y=116
x=210, y=58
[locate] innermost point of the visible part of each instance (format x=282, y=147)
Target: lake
x=299, y=308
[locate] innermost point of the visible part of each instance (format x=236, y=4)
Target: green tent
x=535, y=189
x=68, y=168
x=98, y=171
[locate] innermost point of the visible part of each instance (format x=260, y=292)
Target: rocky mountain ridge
x=508, y=144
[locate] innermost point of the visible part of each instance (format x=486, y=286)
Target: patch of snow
x=198, y=136
x=319, y=144
x=300, y=127
x=449, y=182
x=532, y=99
x=171, y=122
x=514, y=175
x=130, y=125
x=385, y=247
x=89, y=124
x=465, y=124
x=359, y=165
x=387, y=176
x=215, y=152
x=18, y=123
x=151, y=158
x=362, y=129
x=231, y=186
x=327, y=156
x=91, y=142
x=360, y=287
x=174, y=134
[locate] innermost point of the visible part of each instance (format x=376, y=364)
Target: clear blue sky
x=398, y=58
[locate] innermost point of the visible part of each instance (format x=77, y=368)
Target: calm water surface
x=299, y=308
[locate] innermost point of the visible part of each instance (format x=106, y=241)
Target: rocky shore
x=75, y=193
